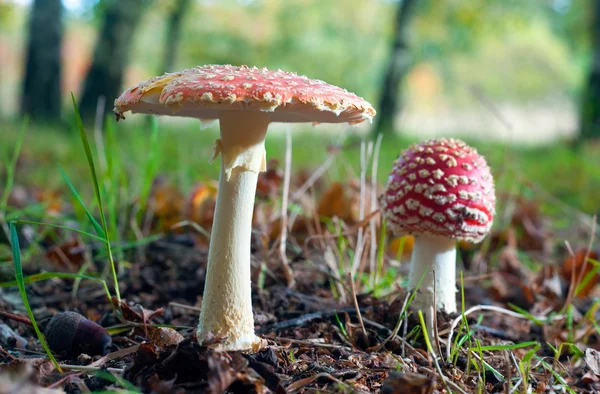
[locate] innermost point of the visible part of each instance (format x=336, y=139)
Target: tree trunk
x=590, y=103
x=111, y=55
x=172, y=37
x=41, y=96
x=398, y=65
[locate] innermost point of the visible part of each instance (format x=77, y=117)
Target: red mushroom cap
x=205, y=91
x=440, y=187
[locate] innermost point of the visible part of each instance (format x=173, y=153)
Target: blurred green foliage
x=514, y=50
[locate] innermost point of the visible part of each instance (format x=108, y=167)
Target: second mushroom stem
x=433, y=253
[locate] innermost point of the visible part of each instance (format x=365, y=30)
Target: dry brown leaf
x=408, y=383
x=269, y=182
x=548, y=283
x=221, y=376
x=164, y=336
x=509, y=288
x=592, y=360
x=336, y=203
x=573, y=266
x=25, y=376
x=299, y=229
x=201, y=205
x=51, y=199
x=136, y=313
x=406, y=242
x=343, y=201
x=167, y=203
x=529, y=224
x=69, y=255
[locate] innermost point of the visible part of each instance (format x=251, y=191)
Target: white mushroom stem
x=433, y=253
x=227, y=301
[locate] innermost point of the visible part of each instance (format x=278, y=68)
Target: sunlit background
x=466, y=62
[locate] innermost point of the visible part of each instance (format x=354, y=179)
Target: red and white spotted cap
x=440, y=187
x=205, y=92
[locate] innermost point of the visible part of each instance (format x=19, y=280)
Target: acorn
x=72, y=334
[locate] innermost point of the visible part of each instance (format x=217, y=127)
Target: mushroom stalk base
x=227, y=302
x=433, y=253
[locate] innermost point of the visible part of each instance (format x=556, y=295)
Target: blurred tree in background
x=111, y=54
x=398, y=66
x=41, y=94
x=173, y=34
x=590, y=105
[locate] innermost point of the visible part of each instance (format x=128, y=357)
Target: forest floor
x=529, y=297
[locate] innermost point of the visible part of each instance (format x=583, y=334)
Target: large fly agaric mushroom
x=441, y=191
x=244, y=100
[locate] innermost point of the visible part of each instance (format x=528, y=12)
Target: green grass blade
x=556, y=375
x=61, y=227
x=130, y=245
x=425, y=335
x=528, y=315
x=116, y=380
x=10, y=167
x=381, y=252
x=114, y=180
x=151, y=167
x=589, y=276
x=94, y=222
x=38, y=210
x=508, y=347
x=20, y=282
x=56, y=275
x=90, y=159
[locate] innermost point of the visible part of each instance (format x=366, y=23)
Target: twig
x=573, y=279
x=287, y=270
x=432, y=310
x=361, y=208
x=401, y=339
x=312, y=343
x=405, y=334
x=313, y=178
x=490, y=106
x=448, y=381
x=190, y=308
x=115, y=355
x=299, y=384
x=430, y=350
x=476, y=278
x=490, y=308
x=199, y=229
x=588, y=251
x=334, y=272
x=398, y=324
x=17, y=318
x=96, y=365
x=566, y=208
x=87, y=368
x=98, y=123
x=372, y=223
x=302, y=320
x=7, y=354
x=575, y=282
x=355, y=301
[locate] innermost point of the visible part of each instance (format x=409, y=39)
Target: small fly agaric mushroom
x=441, y=191
x=244, y=100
